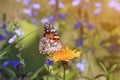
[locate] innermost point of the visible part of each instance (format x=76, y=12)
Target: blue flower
x=49, y=62
x=36, y=6
x=62, y=16
x=5, y=63
x=77, y=25
x=8, y=32
x=112, y=3
x=27, y=11
x=81, y=65
x=98, y=4
x=11, y=40
x=49, y=19
x=52, y=18
x=34, y=21
x=60, y=5
x=12, y=63
x=113, y=48
x=15, y=63
x=51, y=2
x=97, y=11
x=79, y=42
x=90, y=26
x=18, y=0
x=75, y=2
x=26, y=2
x=2, y=37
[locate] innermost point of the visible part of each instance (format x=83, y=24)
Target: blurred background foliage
x=89, y=26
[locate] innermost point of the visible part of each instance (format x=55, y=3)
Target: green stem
x=64, y=72
x=48, y=74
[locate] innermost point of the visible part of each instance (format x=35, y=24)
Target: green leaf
x=2, y=54
x=7, y=73
x=103, y=67
x=71, y=75
x=40, y=72
x=110, y=77
x=98, y=76
x=113, y=68
x=87, y=78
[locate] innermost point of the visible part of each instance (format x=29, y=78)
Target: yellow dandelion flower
x=65, y=54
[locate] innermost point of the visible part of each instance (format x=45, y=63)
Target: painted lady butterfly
x=50, y=41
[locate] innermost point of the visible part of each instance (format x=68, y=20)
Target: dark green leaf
x=98, y=76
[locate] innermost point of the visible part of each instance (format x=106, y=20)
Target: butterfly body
x=50, y=41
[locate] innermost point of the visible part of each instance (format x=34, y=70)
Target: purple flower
x=44, y=20
x=85, y=6
x=98, y=4
x=117, y=7
x=97, y=11
x=62, y=16
x=79, y=42
x=77, y=25
x=11, y=40
x=2, y=37
x=12, y=63
x=112, y=3
x=27, y=11
x=18, y=0
x=33, y=14
x=8, y=32
x=51, y=2
x=49, y=19
x=52, y=18
x=5, y=63
x=87, y=1
x=26, y=2
x=81, y=65
x=49, y=62
x=90, y=26
x=34, y=22
x=113, y=48
x=19, y=32
x=15, y=63
x=75, y=2
x=3, y=26
x=60, y=5
x=36, y=6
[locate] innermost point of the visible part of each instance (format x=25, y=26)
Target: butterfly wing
x=50, y=42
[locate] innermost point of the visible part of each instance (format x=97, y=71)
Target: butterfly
x=50, y=41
